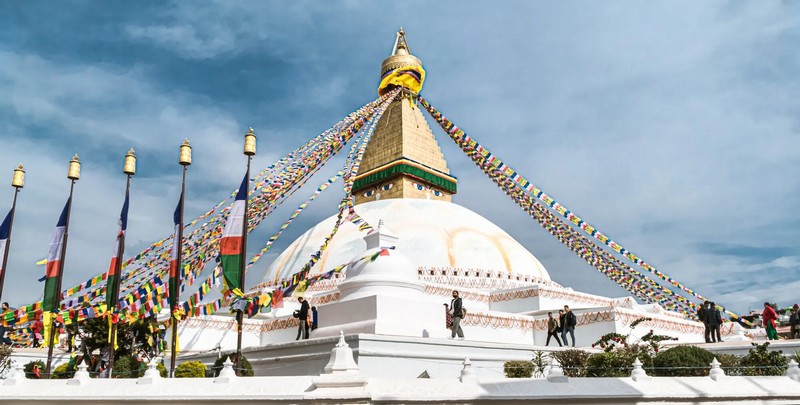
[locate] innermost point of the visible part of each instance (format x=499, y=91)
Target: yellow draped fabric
x=410, y=77
x=47, y=320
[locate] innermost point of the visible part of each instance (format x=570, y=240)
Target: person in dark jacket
x=714, y=322
x=702, y=316
x=458, y=313
x=568, y=326
x=314, y=318
x=552, y=329
x=302, y=330
x=794, y=323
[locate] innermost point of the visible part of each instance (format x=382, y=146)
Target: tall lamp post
x=129, y=168
x=184, y=159
x=73, y=174
x=249, y=151
x=18, y=182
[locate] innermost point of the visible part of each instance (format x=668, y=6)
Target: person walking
x=6, y=324
x=768, y=317
x=702, y=316
x=568, y=326
x=36, y=330
x=714, y=322
x=302, y=319
x=552, y=329
x=457, y=310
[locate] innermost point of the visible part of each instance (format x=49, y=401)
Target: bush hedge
x=29, y=369
x=518, y=369
x=617, y=363
x=190, y=369
x=761, y=361
x=63, y=371
x=683, y=361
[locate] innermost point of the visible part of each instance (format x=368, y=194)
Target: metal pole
x=240, y=313
x=118, y=271
x=174, y=345
x=8, y=242
x=59, y=278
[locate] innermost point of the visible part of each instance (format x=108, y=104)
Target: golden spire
x=401, y=55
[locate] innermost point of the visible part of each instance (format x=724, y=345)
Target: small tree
x=5, y=358
x=573, y=361
x=245, y=371
x=128, y=367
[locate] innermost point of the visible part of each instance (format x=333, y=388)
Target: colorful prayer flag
x=52, y=297
x=231, y=244
x=112, y=289
x=174, y=274
x=5, y=229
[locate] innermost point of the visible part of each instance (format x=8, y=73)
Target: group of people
x=711, y=317
x=565, y=324
x=307, y=319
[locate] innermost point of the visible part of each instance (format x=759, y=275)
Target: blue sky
x=671, y=126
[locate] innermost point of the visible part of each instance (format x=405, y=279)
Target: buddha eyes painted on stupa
x=418, y=186
x=369, y=193
x=387, y=186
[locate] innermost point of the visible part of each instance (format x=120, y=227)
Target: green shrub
x=573, y=361
x=617, y=363
x=190, y=369
x=518, y=369
x=683, y=361
x=729, y=363
x=246, y=371
x=128, y=367
x=162, y=370
x=63, y=371
x=29, y=369
x=761, y=361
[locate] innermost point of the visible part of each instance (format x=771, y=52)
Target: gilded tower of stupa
x=403, y=159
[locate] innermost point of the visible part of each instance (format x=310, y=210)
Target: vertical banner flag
x=230, y=246
x=4, y=228
x=174, y=266
x=112, y=294
x=52, y=297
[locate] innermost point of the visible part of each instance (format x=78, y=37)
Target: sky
x=671, y=126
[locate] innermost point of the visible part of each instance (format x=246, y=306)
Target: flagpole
x=74, y=174
x=129, y=168
x=185, y=159
x=249, y=151
x=18, y=182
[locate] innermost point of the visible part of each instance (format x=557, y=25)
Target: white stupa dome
x=432, y=234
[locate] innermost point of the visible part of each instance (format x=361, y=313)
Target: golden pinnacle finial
x=129, y=167
x=250, y=143
x=74, y=172
x=18, y=180
x=185, y=158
